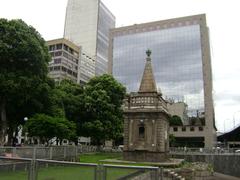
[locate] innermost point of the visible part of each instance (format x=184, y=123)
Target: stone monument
x=146, y=121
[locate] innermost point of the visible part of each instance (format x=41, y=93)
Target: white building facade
x=87, y=24
x=69, y=62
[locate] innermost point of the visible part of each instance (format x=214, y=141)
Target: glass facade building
x=176, y=59
x=87, y=24
x=180, y=59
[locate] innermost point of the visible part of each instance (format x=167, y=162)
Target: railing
x=32, y=169
x=215, y=150
x=54, y=152
x=148, y=102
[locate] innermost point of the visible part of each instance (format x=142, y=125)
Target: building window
x=56, y=68
x=57, y=61
x=183, y=128
x=71, y=50
x=59, y=46
x=65, y=47
x=58, y=53
x=64, y=69
x=191, y=128
x=51, y=47
x=175, y=128
x=200, y=128
x=141, y=132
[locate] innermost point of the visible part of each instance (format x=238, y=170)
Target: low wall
x=144, y=156
x=226, y=164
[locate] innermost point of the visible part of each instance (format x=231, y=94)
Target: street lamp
x=25, y=134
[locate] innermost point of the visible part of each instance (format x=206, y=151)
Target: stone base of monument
x=169, y=163
x=145, y=156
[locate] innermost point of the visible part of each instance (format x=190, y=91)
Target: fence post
x=104, y=170
x=33, y=167
x=76, y=153
x=156, y=174
x=96, y=173
x=51, y=153
x=14, y=152
x=161, y=173
x=65, y=152
x=34, y=152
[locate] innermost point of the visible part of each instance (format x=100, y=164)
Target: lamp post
x=25, y=134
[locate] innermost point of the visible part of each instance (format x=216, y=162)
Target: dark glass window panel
x=57, y=61
x=59, y=46
x=58, y=53
x=141, y=132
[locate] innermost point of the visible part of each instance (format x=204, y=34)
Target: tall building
x=87, y=24
x=69, y=62
x=179, y=109
x=181, y=62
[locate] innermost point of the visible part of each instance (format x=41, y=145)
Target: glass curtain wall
x=105, y=21
x=176, y=60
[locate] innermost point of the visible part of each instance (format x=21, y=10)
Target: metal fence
x=217, y=150
x=54, y=152
x=33, y=169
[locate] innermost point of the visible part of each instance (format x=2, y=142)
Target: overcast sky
x=47, y=16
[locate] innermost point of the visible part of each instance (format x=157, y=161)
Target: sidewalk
x=219, y=176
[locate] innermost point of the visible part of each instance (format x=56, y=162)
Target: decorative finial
x=148, y=52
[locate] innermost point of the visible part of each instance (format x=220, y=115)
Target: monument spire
x=148, y=83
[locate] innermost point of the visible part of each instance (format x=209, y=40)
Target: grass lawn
x=20, y=175
x=96, y=157
x=65, y=173
x=72, y=172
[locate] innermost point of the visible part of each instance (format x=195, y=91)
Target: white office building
x=87, y=24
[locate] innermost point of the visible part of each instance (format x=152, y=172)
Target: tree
x=68, y=97
x=24, y=85
x=103, y=117
x=175, y=121
x=47, y=127
x=172, y=140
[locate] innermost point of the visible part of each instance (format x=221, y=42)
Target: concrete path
x=219, y=176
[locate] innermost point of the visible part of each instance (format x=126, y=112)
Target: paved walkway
x=219, y=176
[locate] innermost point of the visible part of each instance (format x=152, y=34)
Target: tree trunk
x=10, y=141
x=3, y=122
x=98, y=143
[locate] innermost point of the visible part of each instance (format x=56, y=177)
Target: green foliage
x=69, y=96
x=97, y=157
x=103, y=117
x=175, y=121
x=172, y=140
x=24, y=85
x=46, y=127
